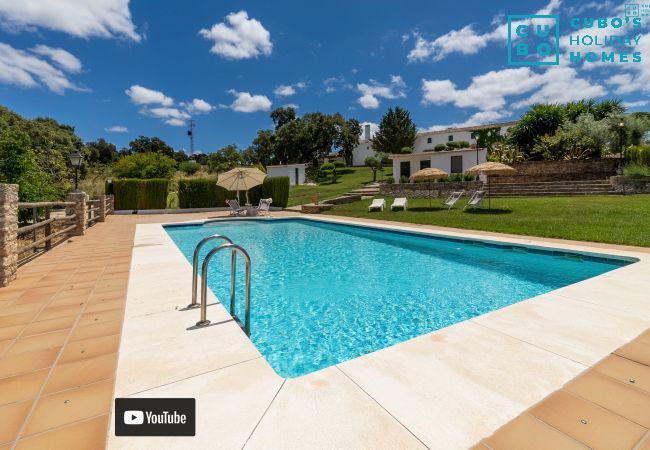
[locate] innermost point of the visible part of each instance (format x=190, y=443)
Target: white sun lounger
x=264, y=206
x=399, y=203
x=453, y=198
x=475, y=201
x=235, y=209
x=378, y=203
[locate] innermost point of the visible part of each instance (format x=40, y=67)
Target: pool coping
x=402, y=407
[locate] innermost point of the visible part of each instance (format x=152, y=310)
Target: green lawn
x=350, y=178
x=611, y=219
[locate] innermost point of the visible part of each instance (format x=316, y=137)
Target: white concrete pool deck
x=447, y=389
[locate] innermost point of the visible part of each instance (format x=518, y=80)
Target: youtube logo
x=155, y=416
x=133, y=417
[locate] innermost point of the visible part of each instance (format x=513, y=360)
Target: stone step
x=559, y=189
x=552, y=183
x=551, y=194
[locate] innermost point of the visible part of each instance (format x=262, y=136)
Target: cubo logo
x=534, y=40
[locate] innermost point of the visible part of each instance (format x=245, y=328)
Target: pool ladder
x=234, y=248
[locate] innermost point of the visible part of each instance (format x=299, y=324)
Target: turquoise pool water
x=323, y=293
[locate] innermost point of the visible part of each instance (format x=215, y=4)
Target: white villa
x=423, y=156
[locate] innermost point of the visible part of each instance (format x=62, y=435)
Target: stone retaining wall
x=421, y=190
x=629, y=185
x=342, y=199
x=537, y=171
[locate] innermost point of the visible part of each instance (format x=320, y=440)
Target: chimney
x=366, y=132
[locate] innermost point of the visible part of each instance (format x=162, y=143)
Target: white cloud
x=245, y=102
x=197, y=106
x=20, y=68
x=117, y=129
x=62, y=58
x=373, y=90
x=175, y=122
x=81, y=18
x=287, y=90
x=144, y=96
x=239, y=37
x=467, y=40
x=636, y=104
x=488, y=91
x=291, y=105
x=479, y=118
x=168, y=113
x=332, y=83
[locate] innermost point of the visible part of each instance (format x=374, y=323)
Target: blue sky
x=147, y=67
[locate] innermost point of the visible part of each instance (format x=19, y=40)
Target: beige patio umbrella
x=430, y=174
x=490, y=169
x=241, y=179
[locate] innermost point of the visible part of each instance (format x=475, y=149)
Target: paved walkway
x=60, y=325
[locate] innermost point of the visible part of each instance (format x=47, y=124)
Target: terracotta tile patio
x=60, y=325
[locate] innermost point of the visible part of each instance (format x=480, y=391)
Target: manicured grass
x=611, y=219
x=349, y=179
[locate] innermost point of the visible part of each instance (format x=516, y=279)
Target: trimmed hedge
x=440, y=147
x=202, y=193
x=638, y=155
x=136, y=194
x=339, y=164
x=276, y=188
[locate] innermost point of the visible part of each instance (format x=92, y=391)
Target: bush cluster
x=638, y=155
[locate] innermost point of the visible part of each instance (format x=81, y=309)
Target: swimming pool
x=325, y=292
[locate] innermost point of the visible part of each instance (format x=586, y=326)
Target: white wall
x=439, y=160
x=288, y=170
x=361, y=152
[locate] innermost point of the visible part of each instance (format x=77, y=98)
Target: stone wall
x=627, y=185
x=536, y=171
x=341, y=200
x=8, y=233
x=421, y=190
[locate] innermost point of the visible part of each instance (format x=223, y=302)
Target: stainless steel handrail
x=204, y=285
x=195, y=264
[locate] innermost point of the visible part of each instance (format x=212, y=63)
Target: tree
x=189, y=167
x=374, y=164
x=180, y=156
x=200, y=158
x=348, y=136
x=144, y=144
x=249, y=156
x=145, y=166
x=101, y=152
x=224, y=159
x=264, y=147
x=282, y=116
x=396, y=130
x=487, y=136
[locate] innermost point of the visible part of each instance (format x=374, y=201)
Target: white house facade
x=295, y=172
x=451, y=161
x=426, y=141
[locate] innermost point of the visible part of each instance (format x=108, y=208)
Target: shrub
x=462, y=144
x=144, y=166
x=390, y=180
x=189, y=167
x=404, y=179
x=440, y=147
x=406, y=150
x=327, y=167
x=152, y=194
x=339, y=164
x=635, y=170
x=469, y=177
x=202, y=193
x=276, y=188
x=132, y=193
x=456, y=177
x=638, y=155
x=453, y=145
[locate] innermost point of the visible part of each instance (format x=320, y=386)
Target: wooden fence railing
x=29, y=229
x=54, y=229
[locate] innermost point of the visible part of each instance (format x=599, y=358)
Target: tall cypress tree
x=396, y=130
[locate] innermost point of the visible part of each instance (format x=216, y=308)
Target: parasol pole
x=489, y=196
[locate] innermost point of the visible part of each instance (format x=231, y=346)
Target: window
x=425, y=164
x=473, y=135
x=405, y=169
x=451, y=137
x=457, y=164
x=429, y=140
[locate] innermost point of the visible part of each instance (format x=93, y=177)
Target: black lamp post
x=75, y=160
x=621, y=125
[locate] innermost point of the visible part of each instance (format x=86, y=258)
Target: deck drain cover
x=583, y=421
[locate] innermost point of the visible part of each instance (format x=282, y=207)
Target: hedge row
x=136, y=194
x=638, y=155
x=276, y=188
x=202, y=193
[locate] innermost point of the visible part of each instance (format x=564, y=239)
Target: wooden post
x=8, y=233
x=48, y=228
